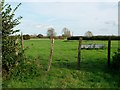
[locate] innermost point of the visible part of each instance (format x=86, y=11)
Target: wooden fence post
x=22, y=41
x=109, y=50
x=79, y=52
x=51, y=52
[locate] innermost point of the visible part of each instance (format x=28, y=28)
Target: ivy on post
x=51, y=52
x=79, y=52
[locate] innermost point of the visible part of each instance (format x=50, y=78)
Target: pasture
x=93, y=73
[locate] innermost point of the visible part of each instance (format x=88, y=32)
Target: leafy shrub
x=24, y=70
x=14, y=61
x=11, y=53
x=116, y=60
x=26, y=37
x=11, y=46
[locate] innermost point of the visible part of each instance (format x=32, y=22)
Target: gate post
x=109, y=50
x=51, y=52
x=79, y=52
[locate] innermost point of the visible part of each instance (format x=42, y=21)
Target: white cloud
x=43, y=26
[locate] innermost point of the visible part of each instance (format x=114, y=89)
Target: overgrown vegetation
x=11, y=48
x=14, y=61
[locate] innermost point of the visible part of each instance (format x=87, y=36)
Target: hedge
x=94, y=38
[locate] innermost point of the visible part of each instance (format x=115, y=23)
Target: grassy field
x=94, y=72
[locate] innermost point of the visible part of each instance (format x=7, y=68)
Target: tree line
x=50, y=33
x=94, y=38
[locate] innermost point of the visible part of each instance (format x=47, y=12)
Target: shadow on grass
x=68, y=41
x=98, y=68
x=99, y=65
x=85, y=65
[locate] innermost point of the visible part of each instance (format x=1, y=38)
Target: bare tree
x=51, y=32
x=66, y=32
x=88, y=34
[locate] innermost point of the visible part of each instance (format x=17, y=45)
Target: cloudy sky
x=101, y=18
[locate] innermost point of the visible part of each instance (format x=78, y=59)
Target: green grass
x=93, y=73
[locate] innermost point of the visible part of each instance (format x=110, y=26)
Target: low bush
x=26, y=69
x=26, y=37
x=116, y=60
